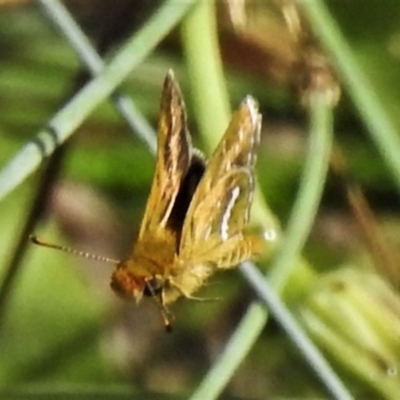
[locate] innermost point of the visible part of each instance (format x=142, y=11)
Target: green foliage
x=63, y=332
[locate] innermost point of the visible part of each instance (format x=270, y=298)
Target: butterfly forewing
x=237, y=147
x=173, y=160
x=221, y=204
x=146, y=271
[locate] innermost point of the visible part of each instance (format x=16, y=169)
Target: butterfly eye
x=153, y=287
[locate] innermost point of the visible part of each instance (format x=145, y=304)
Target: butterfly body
x=150, y=262
x=196, y=213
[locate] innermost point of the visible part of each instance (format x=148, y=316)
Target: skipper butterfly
x=196, y=211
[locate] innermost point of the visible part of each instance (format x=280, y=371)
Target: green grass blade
x=63, y=124
x=370, y=107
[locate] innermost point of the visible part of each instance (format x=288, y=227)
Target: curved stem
x=370, y=108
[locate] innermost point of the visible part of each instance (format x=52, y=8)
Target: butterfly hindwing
x=221, y=215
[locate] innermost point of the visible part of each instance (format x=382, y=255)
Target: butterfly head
x=128, y=283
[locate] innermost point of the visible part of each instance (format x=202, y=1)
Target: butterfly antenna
x=79, y=253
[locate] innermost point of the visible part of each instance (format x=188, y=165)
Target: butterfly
x=196, y=211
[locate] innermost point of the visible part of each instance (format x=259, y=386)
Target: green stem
x=299, y=226
x=382, y=129
x=63, y=124
x=209, y=93
x=310, y=192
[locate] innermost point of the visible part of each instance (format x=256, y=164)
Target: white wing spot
x=227, y=213
x=207, y=233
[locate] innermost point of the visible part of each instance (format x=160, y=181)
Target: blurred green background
x=62, y=330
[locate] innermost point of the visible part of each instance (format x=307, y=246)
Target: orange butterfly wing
x=212, y=234
x=173, y=159
x=154, y=251
x=221, y=204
